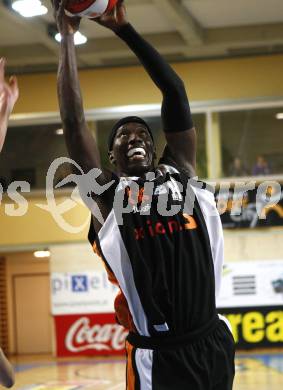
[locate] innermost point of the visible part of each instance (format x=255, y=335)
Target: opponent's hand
x=9, y=93
x=66, y=25
x=114, y=19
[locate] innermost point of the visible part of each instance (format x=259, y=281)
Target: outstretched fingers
x=106, y=17
x=121, y=11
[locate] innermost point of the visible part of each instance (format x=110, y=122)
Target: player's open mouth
x=136, y=154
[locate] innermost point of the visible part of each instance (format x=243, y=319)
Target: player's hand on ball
x=9, y=92
x=114, y=19
x=66, y=25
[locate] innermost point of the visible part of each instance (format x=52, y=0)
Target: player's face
x=133, y=150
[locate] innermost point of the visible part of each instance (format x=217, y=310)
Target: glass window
x=252, y=142
x=28, y=152
x=104, y=127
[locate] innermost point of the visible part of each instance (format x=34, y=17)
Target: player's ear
x=111, y=157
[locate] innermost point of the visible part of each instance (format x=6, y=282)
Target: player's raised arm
x=80, y=143
x=9, y=94
x=176, y=115
x=7, y=377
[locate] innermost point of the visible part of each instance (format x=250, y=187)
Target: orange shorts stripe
x=131, y=379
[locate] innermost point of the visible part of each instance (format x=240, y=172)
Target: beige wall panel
x=238, y=78
x=32, y=312
x=259, y=244
x=239, y=244
x=74, y=258
x=38, y=226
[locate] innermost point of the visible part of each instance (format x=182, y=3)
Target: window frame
x=208, y=108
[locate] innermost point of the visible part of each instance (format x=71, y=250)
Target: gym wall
x=232, y=79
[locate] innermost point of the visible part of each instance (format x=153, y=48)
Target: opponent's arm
x=176, y=116
x=9, y=93
x=7, y=377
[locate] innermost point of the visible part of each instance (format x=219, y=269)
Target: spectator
x=237, y=168
x=261, y=167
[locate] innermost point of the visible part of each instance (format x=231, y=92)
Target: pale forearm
x=9, y=93
x=4, y=118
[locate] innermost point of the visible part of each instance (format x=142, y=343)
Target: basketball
x=89, y=8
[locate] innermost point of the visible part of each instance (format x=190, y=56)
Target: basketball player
x=166, y=266
x=9, y=94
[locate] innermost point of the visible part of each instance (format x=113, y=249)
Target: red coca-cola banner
x=89, y=334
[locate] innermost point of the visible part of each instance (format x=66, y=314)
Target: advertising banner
x=241, y=207
x=83, y=310
x=251, y=297
x=89, y=334
x=86, y=292
x=256, y=327
x=252, y=283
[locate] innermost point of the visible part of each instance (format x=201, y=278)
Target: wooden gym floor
x=255, y=371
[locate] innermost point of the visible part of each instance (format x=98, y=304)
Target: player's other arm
x=7, y=377
x=176, y=115
x=81, y=144
x=9, y=94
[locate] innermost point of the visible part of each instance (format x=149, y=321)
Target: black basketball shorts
x=202, y=360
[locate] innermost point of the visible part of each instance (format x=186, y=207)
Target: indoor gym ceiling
x=180, y=29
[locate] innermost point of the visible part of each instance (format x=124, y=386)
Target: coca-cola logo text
x=83, y=336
